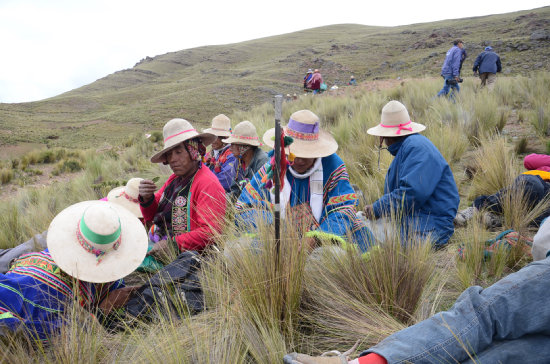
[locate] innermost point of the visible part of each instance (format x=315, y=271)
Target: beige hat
x=395, y=122
x=176, y=131
x=127, y=196
x=97, y=241
x=221, y=126
x=244, y=133
x=309, y=140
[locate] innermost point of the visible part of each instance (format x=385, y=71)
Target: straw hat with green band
x=97, y=241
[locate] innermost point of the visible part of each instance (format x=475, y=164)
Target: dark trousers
x=534, y=189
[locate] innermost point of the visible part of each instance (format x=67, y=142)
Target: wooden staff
x=277, y=172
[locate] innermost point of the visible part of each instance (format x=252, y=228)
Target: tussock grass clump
x=496, y=167
x=6, y=175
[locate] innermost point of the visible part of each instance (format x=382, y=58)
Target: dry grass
x=262, y=304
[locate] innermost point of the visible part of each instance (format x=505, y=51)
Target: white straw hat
x=395, y=122
x=309, y=140
x=244, y=133
x=127, y=196
x=176, y=131
x=221, y=126
x=96, y=241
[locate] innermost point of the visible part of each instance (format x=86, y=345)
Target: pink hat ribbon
x=400, y=126
x=181, y=132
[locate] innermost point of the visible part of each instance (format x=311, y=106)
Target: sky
x=52, y=46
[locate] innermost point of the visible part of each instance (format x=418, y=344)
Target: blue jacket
x=487, y=61
x=420, y=184
x=451, y=66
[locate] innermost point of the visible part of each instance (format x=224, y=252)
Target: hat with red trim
x=177, y=131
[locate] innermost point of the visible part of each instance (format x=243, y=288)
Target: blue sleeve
x=253, y=203
x=511, y=308
x=477, y=62
x=227, y=173
x=419, y=175
x=457, y=55
x=339, y=212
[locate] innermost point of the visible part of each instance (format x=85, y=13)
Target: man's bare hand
x=369, y=212
x=147, y=189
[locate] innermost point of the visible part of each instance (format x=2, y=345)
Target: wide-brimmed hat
x=221, y=126
x=395, y=122
x=488, y=48
x=309, y=140
x=176, y=131
x=127, y=196
x=97, y=241
x=244, y=133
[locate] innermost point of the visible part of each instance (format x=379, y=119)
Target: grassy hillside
x=201, y=82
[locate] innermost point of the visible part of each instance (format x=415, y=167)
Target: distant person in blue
x=419, y=182
x=487, y=64
x=352, y=81
x=91, y=246
x=307, y=77
x=451, y=69
x=316, y=194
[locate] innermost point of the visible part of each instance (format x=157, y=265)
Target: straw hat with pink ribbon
x=221, y=126
x=177, y=131
x=395, y=122
x=244, y=133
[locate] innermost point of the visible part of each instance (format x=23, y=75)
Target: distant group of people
x=486, y=65
x=313, y=81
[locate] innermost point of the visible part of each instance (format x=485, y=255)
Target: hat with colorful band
x=221, y=126
x=244, y=133
x=177, y=131
x=395, y=122
x=309, y=141
x=97, y=241
x=127, y=196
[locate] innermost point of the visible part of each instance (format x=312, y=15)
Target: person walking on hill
x=451, y=69
x=487, y=64
x=419, y=183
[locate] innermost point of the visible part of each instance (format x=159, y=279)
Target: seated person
x=534, y=184
x=315, y=82
x=507, y=322
x=316, y=191
x=90, y=246
x=189, y=208
x=419, y=182
x=352, y=81
x=245, y=145
x=220, y=160
x=125, y=196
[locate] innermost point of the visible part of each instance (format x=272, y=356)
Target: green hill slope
x=201, y=82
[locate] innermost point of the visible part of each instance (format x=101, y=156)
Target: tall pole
x=277, y=172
